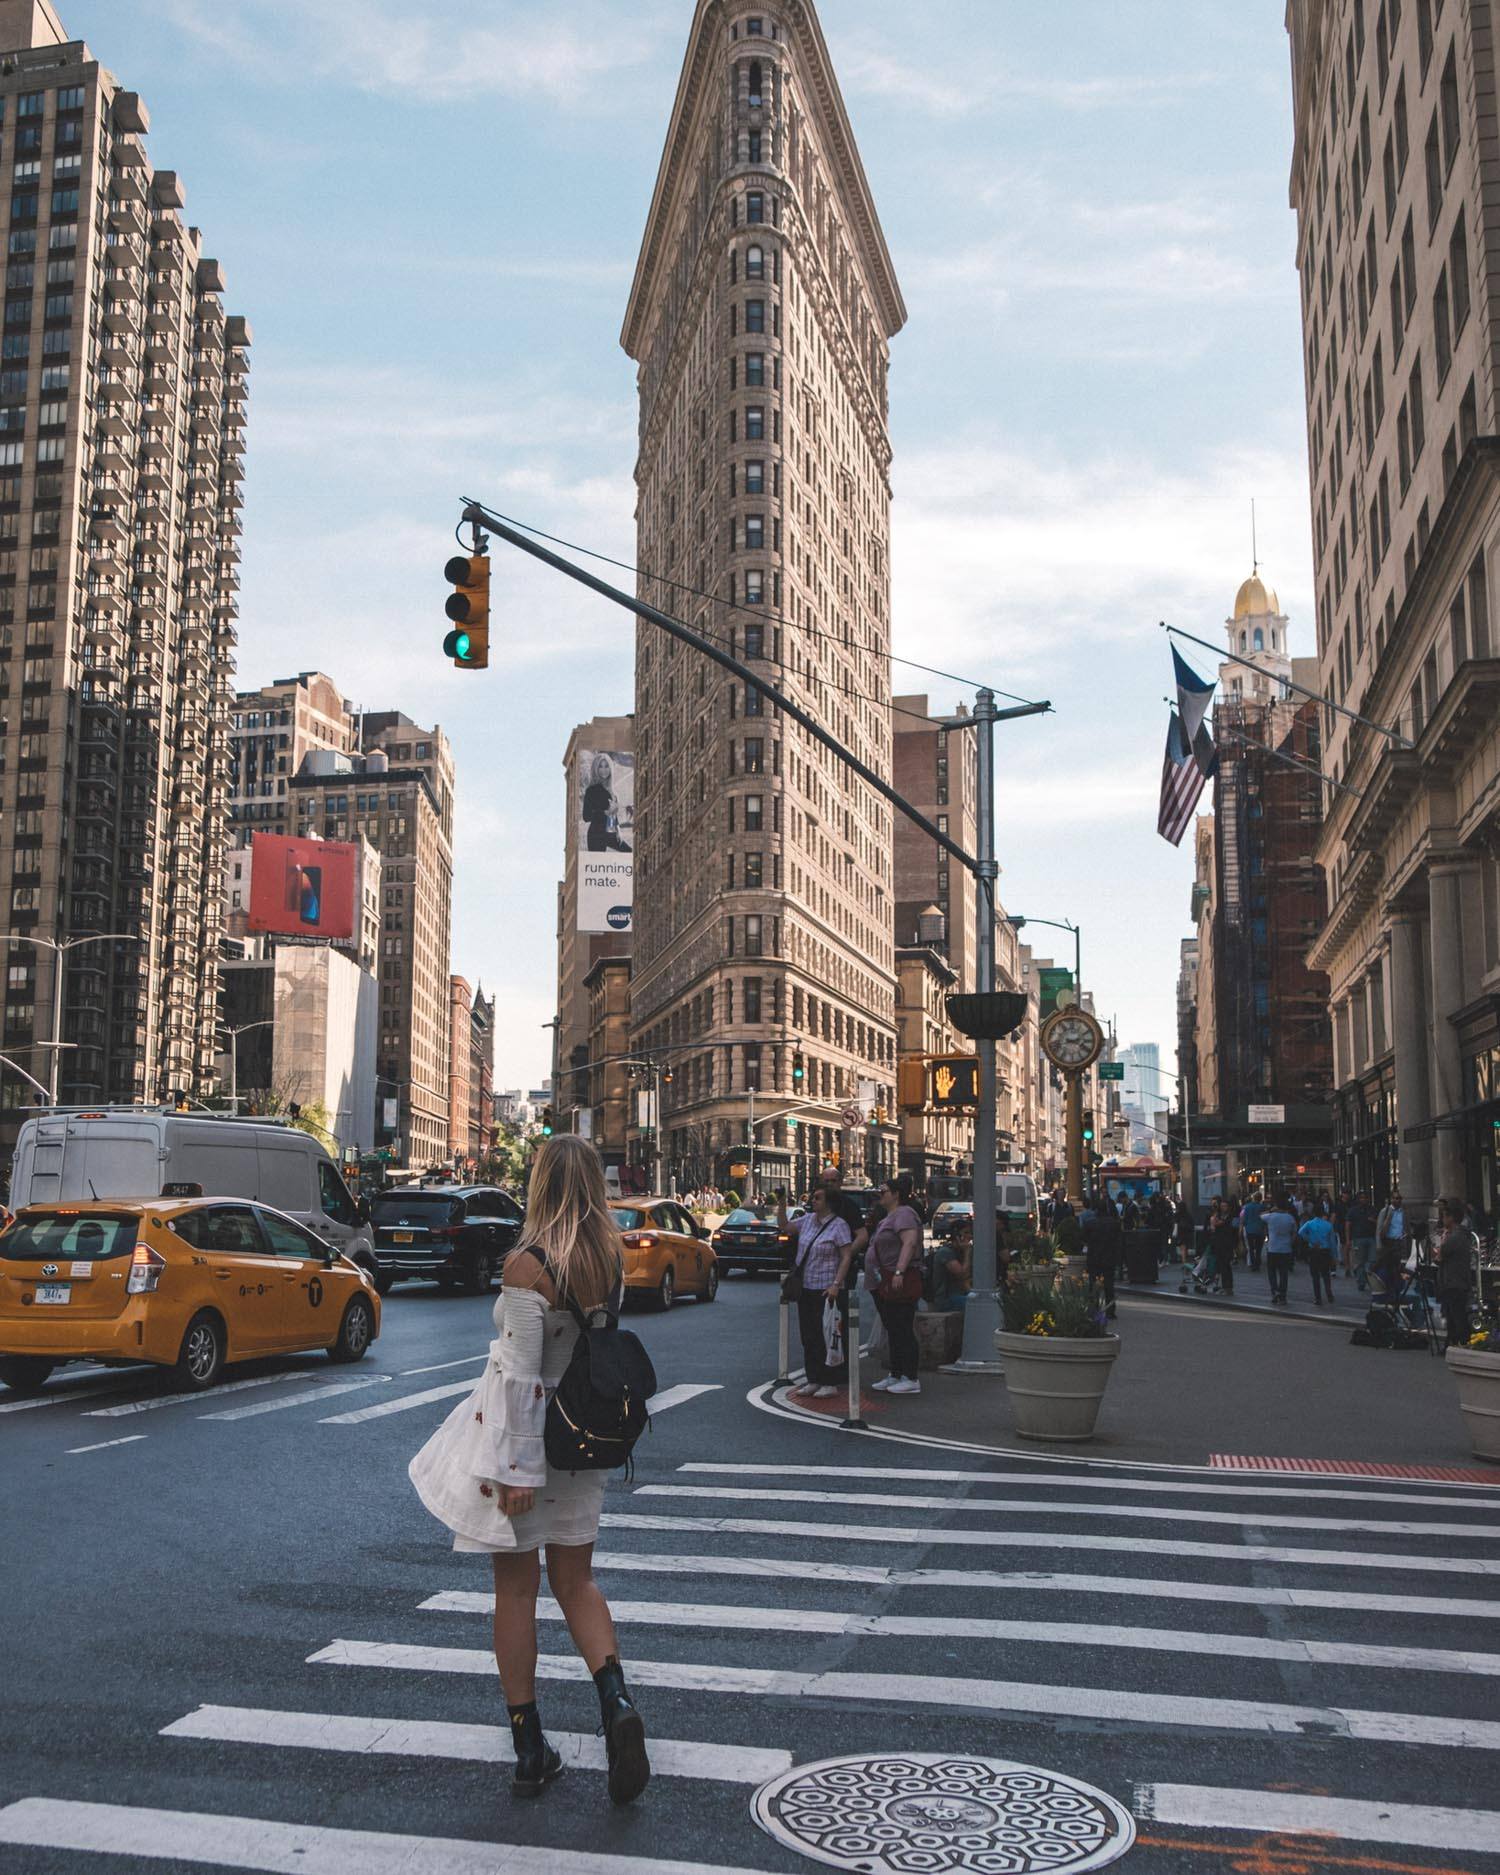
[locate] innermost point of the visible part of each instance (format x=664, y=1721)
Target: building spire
x=1254, y=546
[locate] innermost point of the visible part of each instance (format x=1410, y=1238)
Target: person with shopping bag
x=893, y=1271
x=486, y=1476
x=815, y=1282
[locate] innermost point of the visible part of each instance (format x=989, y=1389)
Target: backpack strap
x=566, y=1301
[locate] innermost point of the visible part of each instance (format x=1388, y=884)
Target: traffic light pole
x=982, y=1312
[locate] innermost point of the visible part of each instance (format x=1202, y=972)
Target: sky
x=430, y=210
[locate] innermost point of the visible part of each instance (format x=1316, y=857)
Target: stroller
x=1203, y=1276
x=1402, y=1312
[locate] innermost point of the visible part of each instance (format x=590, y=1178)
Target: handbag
x=907, y=1287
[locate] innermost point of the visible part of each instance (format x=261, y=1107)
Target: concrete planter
x=1477, y=1372
x=1056, y=1386
x=940, y=1336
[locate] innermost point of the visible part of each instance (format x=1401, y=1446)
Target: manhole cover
x=926, y=1813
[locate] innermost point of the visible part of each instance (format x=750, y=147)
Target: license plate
x=401, y=1236
x=53, y=1292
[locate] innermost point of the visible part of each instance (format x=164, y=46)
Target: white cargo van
x=136, y=1152
x=1015, y=1198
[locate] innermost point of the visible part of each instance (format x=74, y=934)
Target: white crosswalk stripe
x=285, y=1400
x=872, y=1557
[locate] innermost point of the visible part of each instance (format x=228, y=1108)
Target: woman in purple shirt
x=894, y=1250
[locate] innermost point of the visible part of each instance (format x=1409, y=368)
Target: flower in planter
x=1485, y=1339
x=1040, y=1324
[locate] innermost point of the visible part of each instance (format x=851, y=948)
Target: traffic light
x=468, y=644
x=799, y=1069
x=666, y=1077
x=1088, y=1129
x=547, y=1122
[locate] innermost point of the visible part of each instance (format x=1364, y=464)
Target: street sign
x=1111, y=1070
x=851, y=1116
x=955, y=1081
x=1266, y=1116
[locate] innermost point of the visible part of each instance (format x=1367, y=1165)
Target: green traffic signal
x=456, y=645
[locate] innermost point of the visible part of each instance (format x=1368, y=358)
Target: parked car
x=747, y=1241
x=182, y=1283
x=667, y=1252
x=141, y=1152
x=455, y=1235
x=949, y=1215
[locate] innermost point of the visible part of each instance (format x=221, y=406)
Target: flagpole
x=1307, y=768
x=1287, y=683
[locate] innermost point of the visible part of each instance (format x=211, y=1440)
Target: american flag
x=1182, y=782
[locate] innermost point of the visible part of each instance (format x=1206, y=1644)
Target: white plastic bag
x=833, y=1334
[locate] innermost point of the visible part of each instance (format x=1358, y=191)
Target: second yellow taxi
x=667, y=1253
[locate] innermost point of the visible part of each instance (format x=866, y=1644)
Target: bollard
x=783, y=1341
x=853, y=1422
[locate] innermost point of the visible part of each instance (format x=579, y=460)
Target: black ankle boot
x=624, y=1735
x=536, y=1762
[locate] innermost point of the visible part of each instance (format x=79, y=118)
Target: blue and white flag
x=1194, y=693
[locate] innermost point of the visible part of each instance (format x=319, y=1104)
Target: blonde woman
x=485, y=1474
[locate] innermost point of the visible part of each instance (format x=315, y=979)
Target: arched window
x=755, y=263
x=756, y=93
x=1260, y=639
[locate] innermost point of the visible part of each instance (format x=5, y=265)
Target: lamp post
x=1187, y=1118
x=234, y=1034
x=1060, y=924
x=60, y=948
x=16, y=1068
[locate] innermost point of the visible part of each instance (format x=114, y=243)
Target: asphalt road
x=233, y=1638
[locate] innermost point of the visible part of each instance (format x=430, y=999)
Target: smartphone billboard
x=303, y=888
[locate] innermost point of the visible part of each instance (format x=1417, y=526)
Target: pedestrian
x=1391, y=1242
x=1455, y=1263
x=953, y=1269
x=894, y=1249
x=1186, y=1231
x=824, y=1251
x=485, y=1473
x=1253, y=1230
x=1339, y=1217
x=1359, y=1238
x=1223, y=1241
x=1281, y=1233
x=1103, y=1236
x=1321, y=1242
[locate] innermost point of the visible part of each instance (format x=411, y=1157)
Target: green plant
x=1063, y=1308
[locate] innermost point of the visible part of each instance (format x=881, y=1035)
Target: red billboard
x=303, y=888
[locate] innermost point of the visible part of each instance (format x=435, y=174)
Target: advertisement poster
x=1054, y=987
x=605, y=791
x=302, y=888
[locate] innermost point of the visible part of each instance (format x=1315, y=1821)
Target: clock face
x=1071, y=1040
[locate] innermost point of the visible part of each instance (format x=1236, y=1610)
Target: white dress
x=494, y=1437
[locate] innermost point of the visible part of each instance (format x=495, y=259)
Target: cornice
x=705, y=46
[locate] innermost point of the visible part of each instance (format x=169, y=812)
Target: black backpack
x=599, y=1409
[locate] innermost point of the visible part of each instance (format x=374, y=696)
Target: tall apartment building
x=122, y=409
x=585, y=933
x=481, y=1073
x=270, y=732
x=460, y=1016
x=760, y=315
x=398, y=794
x=1398, y=205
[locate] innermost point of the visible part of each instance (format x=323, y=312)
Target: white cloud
x=868, y=71
x=431, y=50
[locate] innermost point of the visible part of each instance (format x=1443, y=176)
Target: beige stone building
x=763, y=303
x=1397, y=195
x=1205, y=1063
x=460, y=1016
x=270, y=731
x=398, y=794
x=481, y=1074
x=122, y=409
x=578, y=951
x=935, y=1141
x=611, y=1086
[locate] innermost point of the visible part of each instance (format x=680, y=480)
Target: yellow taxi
x=189, y=1284
x=667, y=1253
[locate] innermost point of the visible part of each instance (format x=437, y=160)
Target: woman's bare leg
x=516, y=1580
x=570, y=1573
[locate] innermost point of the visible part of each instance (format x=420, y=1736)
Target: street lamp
x=60, y=948
x=1059, y=924
x=16, y=1068
x=234, y=1034
x=1141, y=1067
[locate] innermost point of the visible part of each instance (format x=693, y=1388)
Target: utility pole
x=750, y=1172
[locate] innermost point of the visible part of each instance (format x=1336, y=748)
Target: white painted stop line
x=1283, y=1813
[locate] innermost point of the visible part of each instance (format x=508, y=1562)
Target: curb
x=1160, y=1293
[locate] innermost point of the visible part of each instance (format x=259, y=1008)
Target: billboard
x=604, y=797
x=1055, y=988
x=303, y=888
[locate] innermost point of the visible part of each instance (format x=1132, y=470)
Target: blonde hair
x=569, y=1220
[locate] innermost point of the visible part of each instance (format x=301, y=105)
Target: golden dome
x=1255, y=599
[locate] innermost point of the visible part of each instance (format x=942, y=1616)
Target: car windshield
x=48, y=1236
x=743, y=1217
x=417, y=1207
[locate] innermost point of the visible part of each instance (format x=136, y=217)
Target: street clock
x=1071, y=1039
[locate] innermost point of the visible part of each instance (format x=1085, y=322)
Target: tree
x=509, y=1157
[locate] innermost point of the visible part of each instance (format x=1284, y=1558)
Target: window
x=755, y=755
x=65, y=201
x=1479, y=611
x=1424, y=34
x=755, y=315
x=754, y=813
x=1403, y=447
x=1457, y=633
x=1448, y=107
x=1409, y=265
x=757, y=94
x=755, y=478
x=753, y=934
x=291, y=1240
x=755, y=701
x=70, y=99
x=755, y=587
x=1414, y=401
x=753, y=871
x=752, y=999
x=755, y=207
x=755, y=641
x=752, y=146
x=1442, y=336
x=755, y=424
x=29, y=104
x=1398, y=322
x=755, y=370
x=755, y=263
x=1468, y=418
x=1458, y=268
x=755, y=532
x=1403, y=134
x=1388, y=174
x=755, y=27
x=1433, y=163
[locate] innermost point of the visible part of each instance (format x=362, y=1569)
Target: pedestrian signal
x=468, y=643
x=955, y=1081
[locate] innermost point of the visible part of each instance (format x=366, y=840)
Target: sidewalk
x=1197, y=1379
x=1252, y=1290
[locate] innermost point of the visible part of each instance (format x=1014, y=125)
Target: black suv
x=459, y=1235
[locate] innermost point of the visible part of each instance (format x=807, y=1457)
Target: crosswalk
x=1337, y=1645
